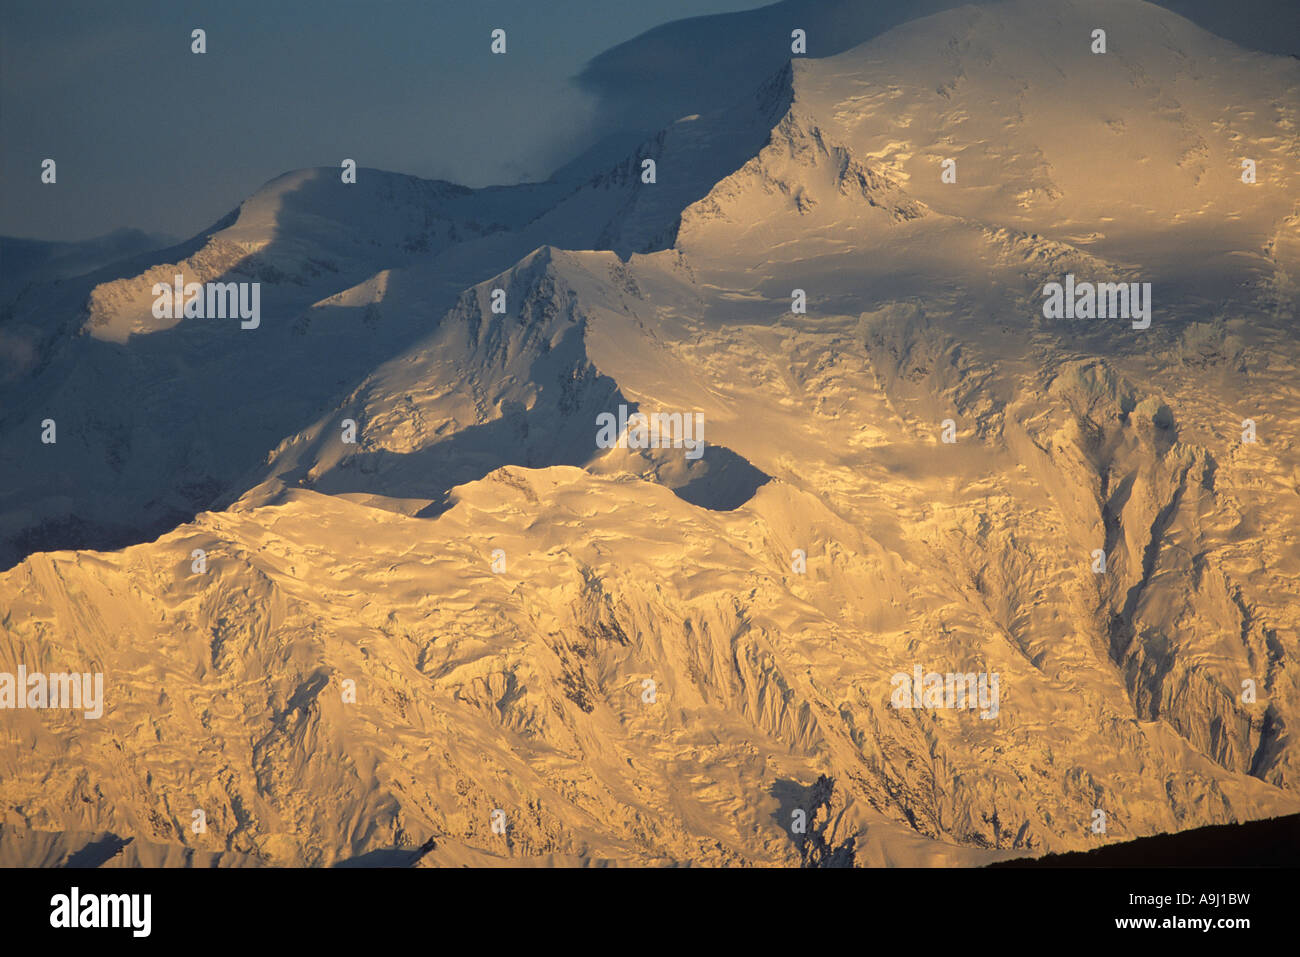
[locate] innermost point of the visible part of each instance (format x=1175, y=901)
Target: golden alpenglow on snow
x=821, y=433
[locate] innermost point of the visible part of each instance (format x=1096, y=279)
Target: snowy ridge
x=522, y=686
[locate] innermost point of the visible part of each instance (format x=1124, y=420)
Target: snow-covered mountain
x=31, y=261
x=704, y=63
x=619, y=648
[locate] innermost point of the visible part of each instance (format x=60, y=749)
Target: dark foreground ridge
x=1273, y=842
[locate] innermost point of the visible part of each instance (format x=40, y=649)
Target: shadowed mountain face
x=1268, y=843
x=389, y=254
x=948, y=575
x=29, y=261
x=702, y=64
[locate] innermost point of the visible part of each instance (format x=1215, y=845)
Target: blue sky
x=147, y=134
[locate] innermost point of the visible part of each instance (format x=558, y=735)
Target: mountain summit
x=950, y=582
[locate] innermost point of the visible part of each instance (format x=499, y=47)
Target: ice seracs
x=951, y=690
